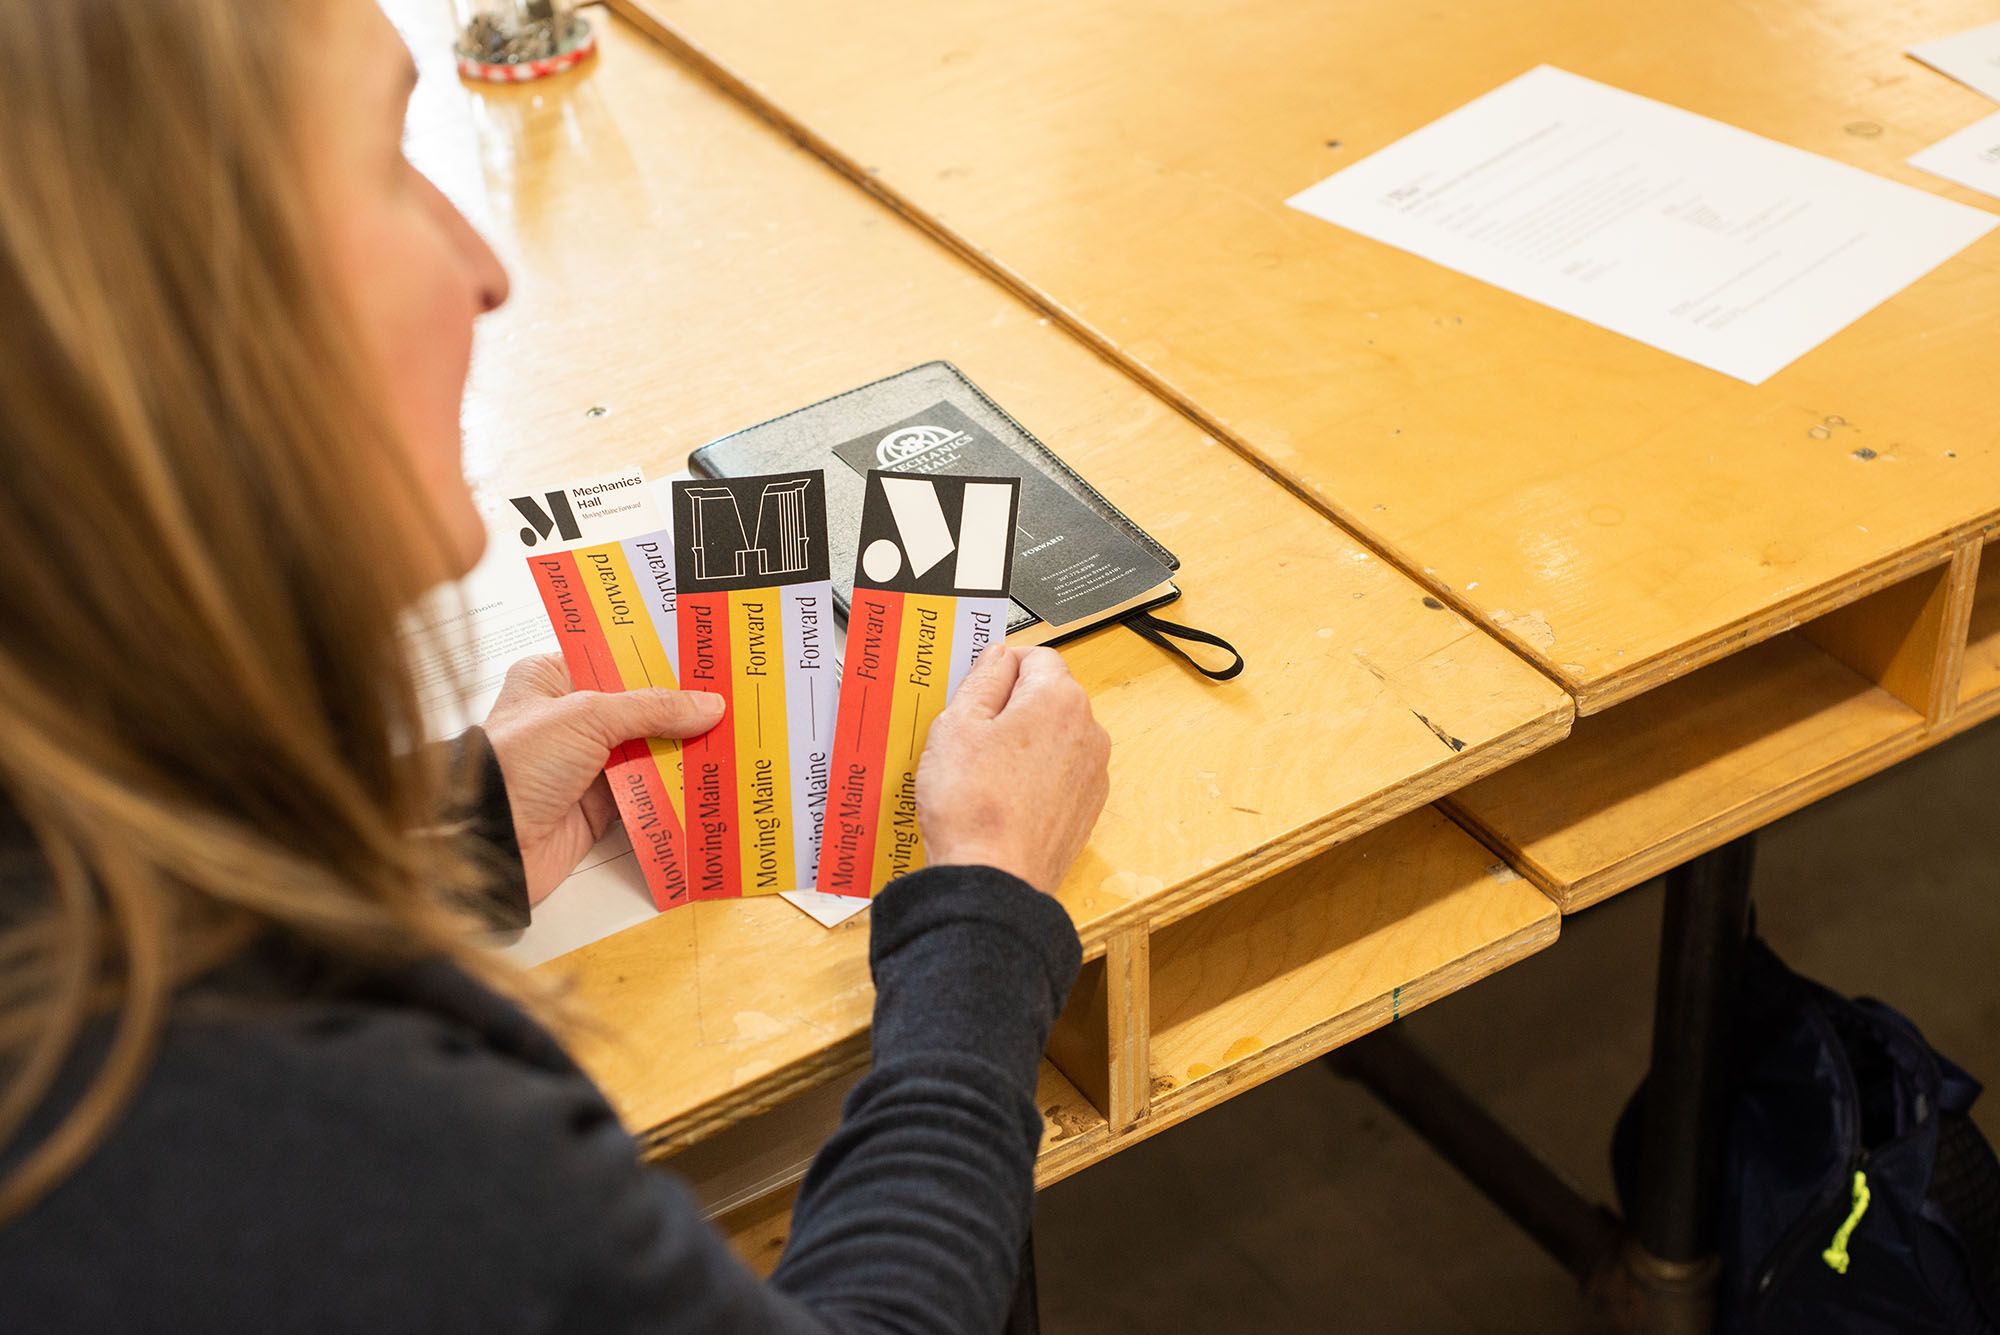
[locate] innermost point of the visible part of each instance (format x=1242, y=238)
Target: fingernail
x=990, y=652
x=709, y=701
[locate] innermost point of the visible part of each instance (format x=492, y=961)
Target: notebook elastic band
x=1163, y=633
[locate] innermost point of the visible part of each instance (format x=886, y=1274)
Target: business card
x=1069, y=563
x=611, y=600
x=754, y=609
x=930, y=592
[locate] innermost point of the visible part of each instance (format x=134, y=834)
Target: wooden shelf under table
x=1653, y=782
x=1979, y=683
x=1227, y=997
x=1661, y=778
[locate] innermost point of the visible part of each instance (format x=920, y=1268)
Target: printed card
x=1069, y=564
x=611, y=601
x=756, y=626
x=930, y=592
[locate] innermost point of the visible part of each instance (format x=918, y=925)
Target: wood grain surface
x=1620, y=515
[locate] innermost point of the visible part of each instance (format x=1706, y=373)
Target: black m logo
x=556, y=519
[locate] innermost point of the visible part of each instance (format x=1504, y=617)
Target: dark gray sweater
x=319, y=1150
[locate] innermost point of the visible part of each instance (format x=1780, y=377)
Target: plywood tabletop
x=1620, y=515
x=681, y=270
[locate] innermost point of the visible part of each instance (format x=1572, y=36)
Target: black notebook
x=1079, y=562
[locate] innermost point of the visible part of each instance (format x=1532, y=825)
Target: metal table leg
x=1670, y=1263
x=1662, y=1279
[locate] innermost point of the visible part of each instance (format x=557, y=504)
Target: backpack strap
x=1957, y=1090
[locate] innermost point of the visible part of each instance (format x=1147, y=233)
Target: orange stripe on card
x=923, y=668
x=867, y=688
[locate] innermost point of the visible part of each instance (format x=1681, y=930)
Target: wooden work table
x=1268, y=878
x=1630, y=522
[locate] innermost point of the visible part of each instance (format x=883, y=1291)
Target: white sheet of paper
x=1703, y=240
x=1971, y=157
x=463, y=639
x=1972, y=58
x=605, y=894
x=492, y=618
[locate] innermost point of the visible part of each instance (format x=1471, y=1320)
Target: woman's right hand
x=1014, y=771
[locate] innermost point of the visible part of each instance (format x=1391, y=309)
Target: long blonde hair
x=206, y=537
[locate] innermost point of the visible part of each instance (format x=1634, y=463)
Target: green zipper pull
x=1836, y=1255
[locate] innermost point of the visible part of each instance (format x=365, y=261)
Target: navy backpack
x=1858, y=1197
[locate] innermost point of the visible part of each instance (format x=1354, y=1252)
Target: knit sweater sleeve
x=912, y=1216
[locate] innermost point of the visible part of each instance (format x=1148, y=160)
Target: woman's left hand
x=552, y=741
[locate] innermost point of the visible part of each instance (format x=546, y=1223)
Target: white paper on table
x=826, y=910
x=462, y=639
x=1703, y=240
x=1971, y=57
x=466, y=637
x=605, y=894
x=1971, y=157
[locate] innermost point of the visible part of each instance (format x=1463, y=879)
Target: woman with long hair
x=257, y=1072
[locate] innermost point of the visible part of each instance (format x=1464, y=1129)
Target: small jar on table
x=513, y=41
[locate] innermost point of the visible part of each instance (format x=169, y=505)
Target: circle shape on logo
x=881, y=561
x=910, y=441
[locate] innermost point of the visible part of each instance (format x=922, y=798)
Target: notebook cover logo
x=907, y=442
